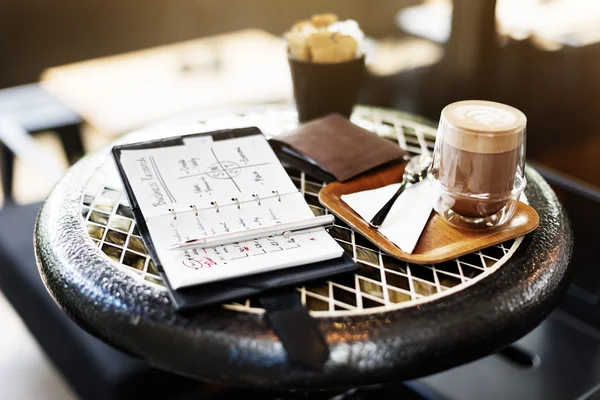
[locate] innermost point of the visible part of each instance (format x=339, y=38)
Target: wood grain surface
x=439, y=241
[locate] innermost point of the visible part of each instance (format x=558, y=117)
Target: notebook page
x=203, y=265
x=199, y=222
x=202, y=172
x=215, y=188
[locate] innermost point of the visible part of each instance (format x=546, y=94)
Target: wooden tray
x=439, y=241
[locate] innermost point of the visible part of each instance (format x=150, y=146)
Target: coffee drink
x=479, y=154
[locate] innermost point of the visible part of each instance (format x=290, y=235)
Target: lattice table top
x=381, y=284
x=389, y=322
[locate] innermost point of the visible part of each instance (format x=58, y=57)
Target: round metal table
x=392, y=321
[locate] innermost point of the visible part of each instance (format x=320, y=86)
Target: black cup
x=322, y=89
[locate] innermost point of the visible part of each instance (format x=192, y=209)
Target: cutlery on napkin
x=408, y=216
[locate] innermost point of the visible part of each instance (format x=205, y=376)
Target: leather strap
x=296, y=329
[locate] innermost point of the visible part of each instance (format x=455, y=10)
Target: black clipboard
x=194, y=297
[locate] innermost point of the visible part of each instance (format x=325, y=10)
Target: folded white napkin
x=408, y=216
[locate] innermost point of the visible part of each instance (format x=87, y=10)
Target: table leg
x=70, y=137
x=6, y=171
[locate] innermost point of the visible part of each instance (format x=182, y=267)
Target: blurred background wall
x=540, y=56
x=35, y=35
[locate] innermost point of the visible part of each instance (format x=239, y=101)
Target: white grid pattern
x=381, y=284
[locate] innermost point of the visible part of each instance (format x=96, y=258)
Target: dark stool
x=37, y=111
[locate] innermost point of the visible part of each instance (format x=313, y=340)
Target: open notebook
x=208, y=184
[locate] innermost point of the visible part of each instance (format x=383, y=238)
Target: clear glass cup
x=478, y=167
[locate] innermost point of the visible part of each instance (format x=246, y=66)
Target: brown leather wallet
x=339, y=148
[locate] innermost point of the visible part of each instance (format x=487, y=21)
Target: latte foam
x=480, y=126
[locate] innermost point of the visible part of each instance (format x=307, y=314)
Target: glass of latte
x=478, y=168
